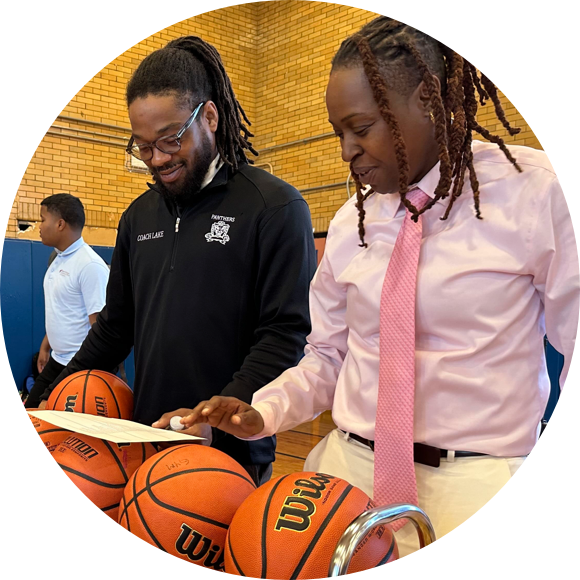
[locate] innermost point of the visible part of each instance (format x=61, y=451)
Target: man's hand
x=42, y=360
x=43, y=354
x=227, y=414
x=42, y=404
x=200, y=430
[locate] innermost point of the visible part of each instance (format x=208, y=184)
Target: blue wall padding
x=24, y=264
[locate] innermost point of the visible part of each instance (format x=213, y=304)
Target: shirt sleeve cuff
x=269, y=416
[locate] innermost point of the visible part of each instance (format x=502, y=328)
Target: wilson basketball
x=183, y=499
x=50, y=434
x=93, y=392
x=99, y=468
x=290, y=527
x=34, y=421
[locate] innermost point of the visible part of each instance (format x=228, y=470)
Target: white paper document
x=114, y=430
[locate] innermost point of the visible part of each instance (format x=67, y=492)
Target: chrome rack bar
x=364, y=523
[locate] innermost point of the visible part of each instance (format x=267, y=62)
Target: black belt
x=424, y=454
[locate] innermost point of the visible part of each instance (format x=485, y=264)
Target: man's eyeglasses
x=169, y=144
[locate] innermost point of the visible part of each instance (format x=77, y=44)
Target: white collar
x=72, y=248
x=215, y=166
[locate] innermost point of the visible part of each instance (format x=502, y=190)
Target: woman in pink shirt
x=494, y=269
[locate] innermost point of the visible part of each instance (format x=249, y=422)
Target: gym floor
x=294, y=445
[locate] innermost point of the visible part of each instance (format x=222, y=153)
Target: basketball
x=34, y=421
x=290, y=527
x=50, y=434
x=183, y=499
x=93, y=392
x=99, y=468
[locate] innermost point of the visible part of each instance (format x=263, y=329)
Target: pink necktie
x=394, y=471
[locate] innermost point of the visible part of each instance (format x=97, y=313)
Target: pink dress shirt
x=487, y=292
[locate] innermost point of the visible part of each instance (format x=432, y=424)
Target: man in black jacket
x=210, y=274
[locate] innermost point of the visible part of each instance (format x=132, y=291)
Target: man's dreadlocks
x=193, y=69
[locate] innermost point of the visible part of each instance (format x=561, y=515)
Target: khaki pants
x=448, y=494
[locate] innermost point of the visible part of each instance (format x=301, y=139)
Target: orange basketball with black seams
x=49, y=434
x=93, y=392
x=101, y=469
x=52, y=436
x=36, y=422
x=290, y=527
x=182, y=501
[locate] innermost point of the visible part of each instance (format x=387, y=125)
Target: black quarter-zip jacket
x=213, y=297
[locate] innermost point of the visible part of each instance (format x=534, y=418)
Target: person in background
x=74, y=289
x=212, y=264
x=51, y=258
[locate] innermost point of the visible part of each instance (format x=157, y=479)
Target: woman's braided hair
x=397, y=57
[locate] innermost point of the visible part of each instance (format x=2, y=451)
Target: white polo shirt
x=74, y=286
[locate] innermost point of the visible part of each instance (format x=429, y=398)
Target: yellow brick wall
x=95, y=172
x=297, y=41
x=278, y=57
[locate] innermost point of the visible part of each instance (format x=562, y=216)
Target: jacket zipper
x=175, y=239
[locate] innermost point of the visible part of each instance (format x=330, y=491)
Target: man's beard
x=193, y=178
